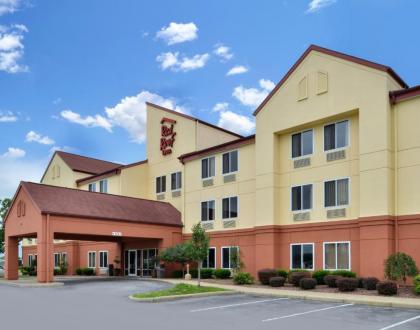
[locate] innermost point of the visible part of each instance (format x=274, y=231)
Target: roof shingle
x=86, y=164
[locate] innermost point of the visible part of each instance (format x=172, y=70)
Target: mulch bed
x=403, y=292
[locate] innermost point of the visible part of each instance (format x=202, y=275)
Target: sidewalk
x=381, y=301
x=29, y=282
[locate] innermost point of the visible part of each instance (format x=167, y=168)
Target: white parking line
x=235, y=305
x=401, y=323
x=308, y=312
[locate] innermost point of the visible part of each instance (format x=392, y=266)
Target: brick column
x=11, y=258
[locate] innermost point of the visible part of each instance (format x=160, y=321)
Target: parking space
x=104, y=305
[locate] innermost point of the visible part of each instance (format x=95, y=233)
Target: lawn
x=179, y=289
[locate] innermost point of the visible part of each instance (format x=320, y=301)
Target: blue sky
x=74, y=75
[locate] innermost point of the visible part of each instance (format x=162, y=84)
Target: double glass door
x=140, y=262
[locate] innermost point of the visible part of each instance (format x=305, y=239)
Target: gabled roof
x=404, y=94
x=194, y=119
x=334, y=53
x=69, y=202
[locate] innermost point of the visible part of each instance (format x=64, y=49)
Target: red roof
x=330, y=52
x=85, y=204
x=86, y=164
x=404, y=94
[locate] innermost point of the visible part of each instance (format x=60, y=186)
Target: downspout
x=396, y=235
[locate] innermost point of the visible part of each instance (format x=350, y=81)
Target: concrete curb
x=179, y=297
x=32, y=285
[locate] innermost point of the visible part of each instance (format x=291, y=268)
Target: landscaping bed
x=178, y=290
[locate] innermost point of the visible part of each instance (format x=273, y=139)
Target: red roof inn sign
x=167, y=135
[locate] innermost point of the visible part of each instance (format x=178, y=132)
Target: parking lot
x=104, y=305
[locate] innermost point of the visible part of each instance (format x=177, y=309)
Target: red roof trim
x=330, y=52
x=403, y=94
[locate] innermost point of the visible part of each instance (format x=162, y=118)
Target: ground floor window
x=302, y=256
x=92, y=259
x=230, y=256
x=60, y=258
x=210, y=261
x=337, y=255
x=103, y=259
x=32, y=260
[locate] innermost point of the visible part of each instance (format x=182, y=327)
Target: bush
x=347, y=284
x=319, y=276
x=79, y=271
x=57, y=271
x=194, y=273
x=399, y=266
x=264, y=275
x=85, y=271
x=242, y=278
x=282, y=273
x=177, y=274
x=344, y=273
x=361, y=285
x=416, y=280
x=369, y=283
x=307, y=283
x=417, y=289
x=296, y=276
x=206, y=273
x=221, y=273
x=277, y=281
x=331, y=280
x=387, y=288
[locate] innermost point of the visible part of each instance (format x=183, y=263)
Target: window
x=337, y=255
x=230, y=207
x=31, y=260
x=103, y=186
x=302, y=256
x=92, y=186
x=302, y=197
x=336, y=192
x=59, y=258
x=91, y=259
x=230, y=162
x=103, y=259
x=208, y=167
x=302, y=144
x=176, y=181
x=160, y=184
x=230, y=257
x=207, y=211
x=336, y=135
x=210, y=261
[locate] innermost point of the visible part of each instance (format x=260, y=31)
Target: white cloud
x=316, y=5
x=12, y=48
x=36, y=137
x=253, y=96
x=236, y=123
x=14, y=153
x=222, y=106
x=176, y=63
x=176, y=33
x=237, y=69
x=7, y=117
x=8, y=6
x=223, y=52
x=88, y=121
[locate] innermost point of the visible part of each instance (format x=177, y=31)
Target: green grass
x=179, y=289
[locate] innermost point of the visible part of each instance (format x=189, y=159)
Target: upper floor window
x=302, y=197
x=176, y=181
x=160, y=184
x=207, y=211
x=230, y=162
x=103, y=186
x=230, y=207
x=92, y=186
x=208, y=167
x=302, y=143
x=336, y=135
x=336, y=192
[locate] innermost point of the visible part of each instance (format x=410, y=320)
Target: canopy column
x=45, y=250
x=11, y=258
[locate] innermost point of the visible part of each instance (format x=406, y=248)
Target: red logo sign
x=167, y=135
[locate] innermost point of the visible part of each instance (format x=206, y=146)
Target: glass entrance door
x=130, y=262
x=140, y=262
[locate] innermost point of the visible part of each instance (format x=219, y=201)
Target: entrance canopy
x=50, y=212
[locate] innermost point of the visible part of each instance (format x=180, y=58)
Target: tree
x=177, y=254
x=4, y=207
x=399, y=266
x=198, y=247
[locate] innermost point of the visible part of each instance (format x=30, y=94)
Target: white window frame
x=161, y=192
x=291, y=198
x=230, y=172
x=335, y=142
x=301, y=259
x=215, y=257
x=92, y=184
x=221, y=255
x=237, y=208
x=201, y=168
x=336, y=255
x=100, y=259
x=337, y=206
x=88, y=261
x=201, y=207
x=101, y=183
x=291, y=144
x=176, y=181
x=60, y=257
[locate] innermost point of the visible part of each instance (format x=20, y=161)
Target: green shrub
x=242, y=278
x=207, y=273
x=369, y=283
x=399, y=266
x=319, y=275
x=177, y=273
x=264, y=275
x=347, y=284
x=57, y=272
x=277, y=281
x=222, y=273
x=282, y=273
x=26, y=270
x=85, y=271
x=307, y=283
x=344, y=273
x=331, y=280
x=417, y=289
x=194, y=273
x=296, y=276
x=387, y=288
x=416, y=280
x=79, y=271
